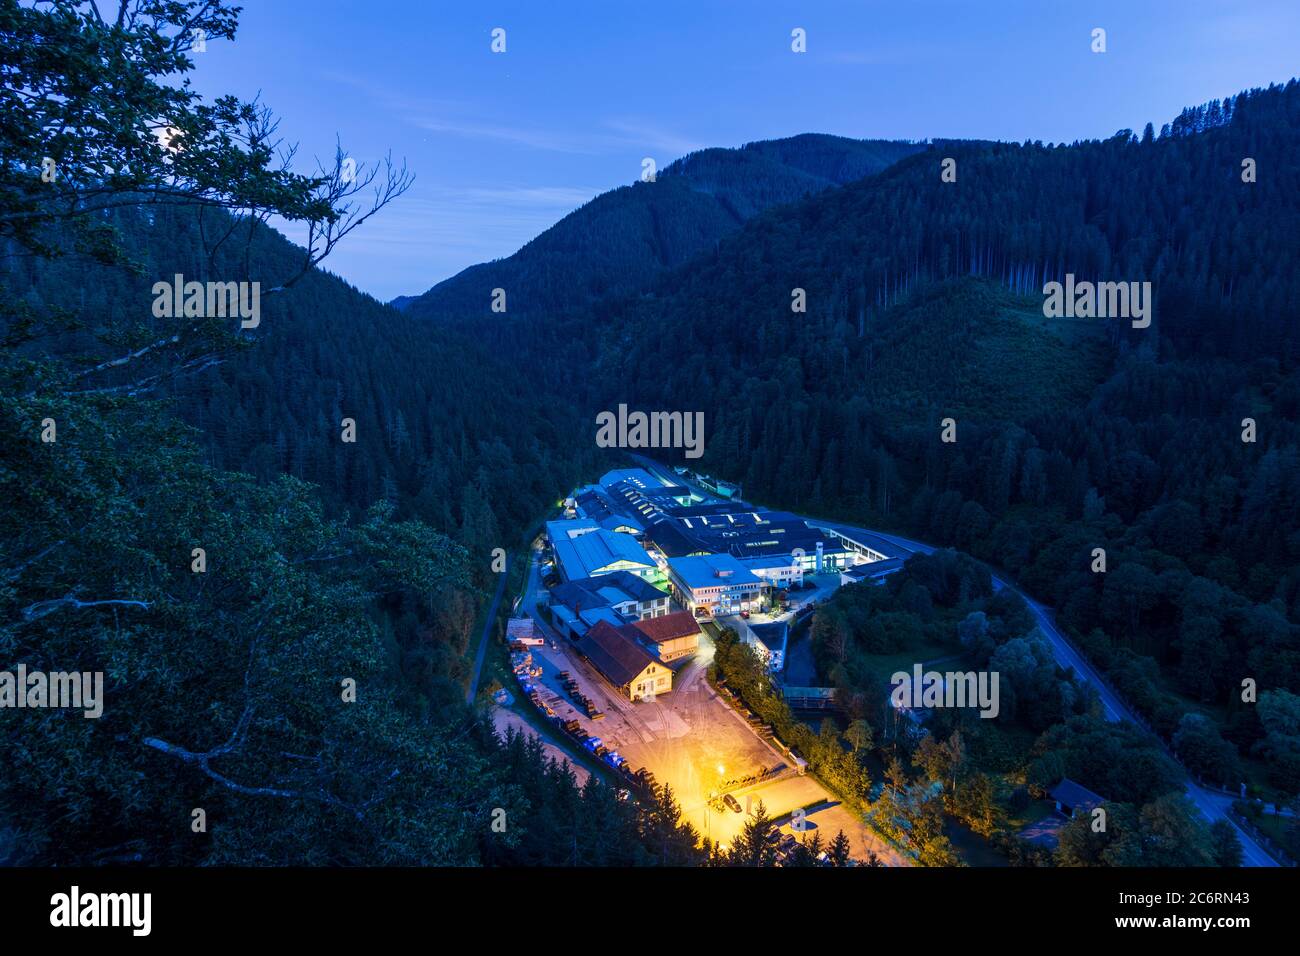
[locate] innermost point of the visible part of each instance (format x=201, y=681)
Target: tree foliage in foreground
x=276, y=686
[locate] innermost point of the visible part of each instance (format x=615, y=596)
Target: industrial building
x=625, y=663
x=633, y=537
x=714, y=584
x=873, y=571
x=672, y=636
x=583, y=549
x=619, y=598
x=593, y=503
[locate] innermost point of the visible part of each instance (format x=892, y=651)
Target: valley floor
x=694, y=741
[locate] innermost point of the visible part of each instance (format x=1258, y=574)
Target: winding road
x=1214, y=806
x=472, y=690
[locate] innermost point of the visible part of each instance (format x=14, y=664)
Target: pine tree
x=756, y=845
x=839, y=850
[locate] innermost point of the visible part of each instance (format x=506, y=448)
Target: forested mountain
x=1173, y=210
x=924, y=302
x=622, y=239
x=442, y=427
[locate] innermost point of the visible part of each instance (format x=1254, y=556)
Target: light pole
x=708, y=803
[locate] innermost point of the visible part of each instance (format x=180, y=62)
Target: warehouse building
x=776, y=570
x=594, y=504
x=625, y=663
x=873, y=571
x=588, y=553
x=672, y=636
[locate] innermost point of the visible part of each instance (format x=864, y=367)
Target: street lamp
x=708, y=803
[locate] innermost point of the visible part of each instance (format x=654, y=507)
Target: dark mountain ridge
x=618, y=242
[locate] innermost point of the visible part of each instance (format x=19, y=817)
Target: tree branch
x=203, y=760
x=34, y=612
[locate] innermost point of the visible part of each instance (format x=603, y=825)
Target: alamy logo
x=626, y=429
x=209, y=300
x=930, y=689
x=75, y=908
x=1098, y=300
x=37, y=689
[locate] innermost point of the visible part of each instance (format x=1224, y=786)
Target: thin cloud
x=634, y=132
x=552, y=141
x=449, y=119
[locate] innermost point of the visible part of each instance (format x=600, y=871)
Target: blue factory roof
x=594, y=552
x=568, y=529
x=711, y=570
x=634, y=476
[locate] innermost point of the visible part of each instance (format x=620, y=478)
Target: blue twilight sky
x=504, y=145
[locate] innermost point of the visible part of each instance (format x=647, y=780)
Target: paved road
x=486, y=635
x=1213, y=806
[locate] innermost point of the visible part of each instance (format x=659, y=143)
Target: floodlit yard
x=688, y=738
x=694, y=741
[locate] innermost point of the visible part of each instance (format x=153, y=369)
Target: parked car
x=731, y=802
